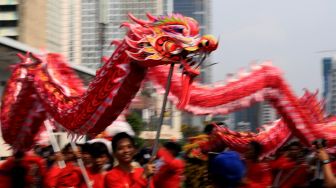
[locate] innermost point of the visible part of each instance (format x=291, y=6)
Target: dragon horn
x=35, y=57
x=22, y=57
x=138, y=21
x=151, y=17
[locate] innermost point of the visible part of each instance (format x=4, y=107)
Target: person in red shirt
x=100, y=158
x=170, y=173
x=23, y=170
x=69, y=176
x=292, y=170
x=125, y=175
x=53, y=171
x=259, y=173
x=327, y=169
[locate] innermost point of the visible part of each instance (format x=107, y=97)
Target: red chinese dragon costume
x=44, y=87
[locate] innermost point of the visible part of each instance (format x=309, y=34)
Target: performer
x=292, y=169
x=70, y=176
x=24, y=169
x=53, y=171
x=258, y=172
x=100, y=158
x=125, y=175
x=329, y=177
x=170, y=174
x=227, y=170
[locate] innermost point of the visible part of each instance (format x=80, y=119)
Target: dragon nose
x=208, y=43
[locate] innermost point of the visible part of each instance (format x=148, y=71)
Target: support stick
x=164, y=103
x=81, y=166
x=53, y=141
x=79, y=161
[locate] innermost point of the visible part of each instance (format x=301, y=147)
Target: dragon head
x=166, y=40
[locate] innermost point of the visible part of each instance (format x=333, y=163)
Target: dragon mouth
x=191, y=65
x=193, y=58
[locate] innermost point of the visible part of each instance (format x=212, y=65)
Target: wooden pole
x=53, y=141
x=163, y=108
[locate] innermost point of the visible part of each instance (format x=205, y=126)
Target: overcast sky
x=288, y=32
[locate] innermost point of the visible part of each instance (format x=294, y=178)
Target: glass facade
x=9, y=19
x=199, y=10
x=329, y=84
x=96, y=37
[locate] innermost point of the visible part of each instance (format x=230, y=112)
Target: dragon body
x=44, y=87
x=301, y=117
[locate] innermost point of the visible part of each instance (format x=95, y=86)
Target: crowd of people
x=292, y=166
x=40, y=167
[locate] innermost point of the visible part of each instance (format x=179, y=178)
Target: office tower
x=247, y=119
x=254, y=116
x=329, y=84
x=32, y=22
x=63, y=28
x=101, y=20
x=201, y=11
x=9, y=19
x=267, y=114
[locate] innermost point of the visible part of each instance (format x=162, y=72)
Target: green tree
x=134, y=119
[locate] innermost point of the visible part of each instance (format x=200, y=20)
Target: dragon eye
x=174, y=29
x=178, y=30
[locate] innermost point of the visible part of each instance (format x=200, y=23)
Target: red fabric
x=333, y=167
x=118, y=178
x=293, y=174
x=5, y=180
x=298, y=178
x=52, y=175
x=282, y=163
x=170, y=174
x=258, y=175
x=97, y=179
x=70, y=176
x=34, y=166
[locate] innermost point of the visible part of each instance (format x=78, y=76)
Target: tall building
x=32, y=22
x=9, y=18
x=267, y=114
x=53, y=25
x=63, y=28
x=79, y=29
x=243, y=126
x=329, y=85
x=201, y=11
x=247, y=118
x=101, y=20
x=255, y=116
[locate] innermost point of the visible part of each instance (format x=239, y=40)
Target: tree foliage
x=135, y=120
